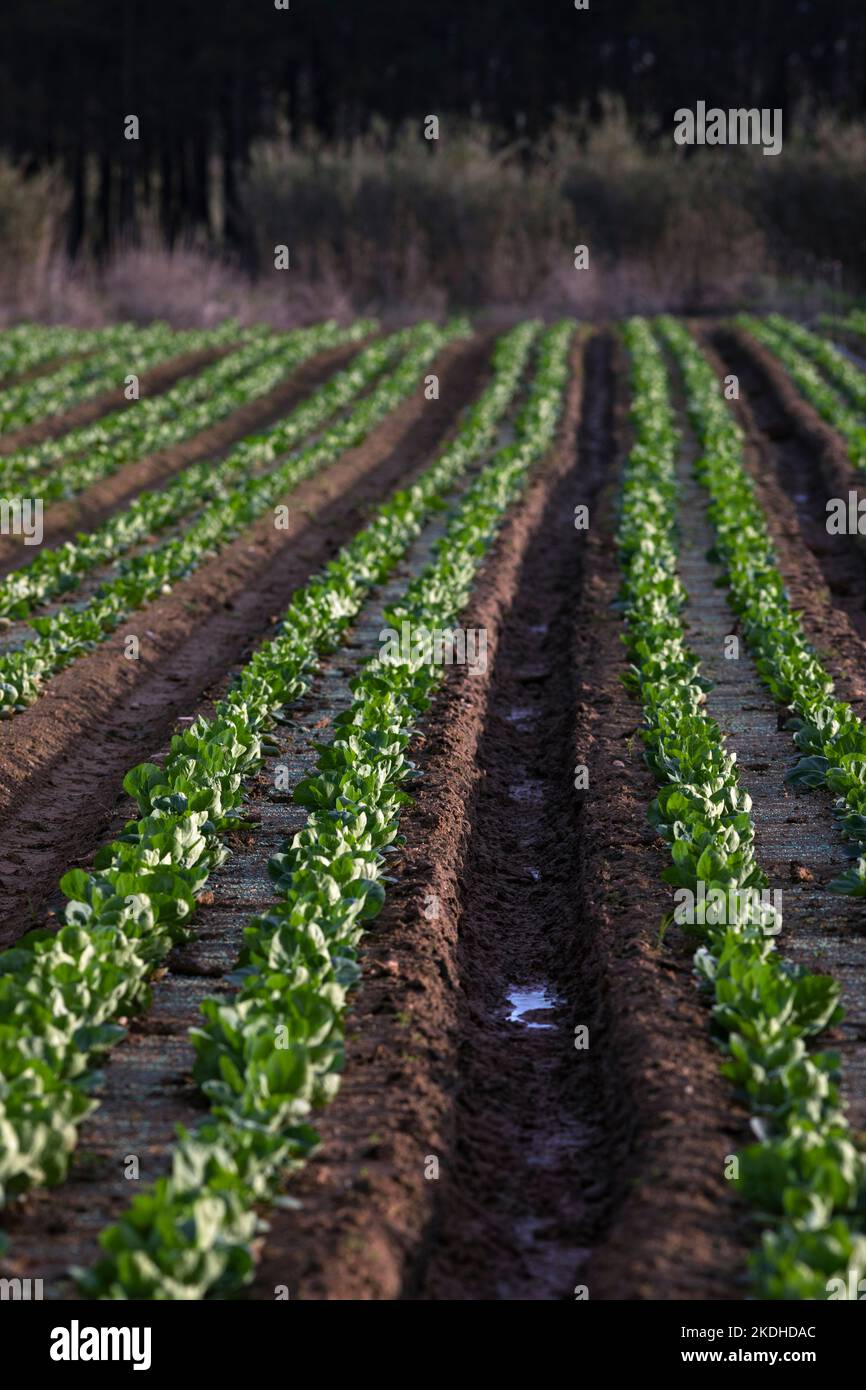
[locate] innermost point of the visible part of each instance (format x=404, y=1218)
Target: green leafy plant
x=61, y=990
x=299, y=958
x=66, y=634
x=64, y=466
x=128, y=349
x=59, y=570
x=763, y=1009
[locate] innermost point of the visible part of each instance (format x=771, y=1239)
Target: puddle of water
x=529, y=1001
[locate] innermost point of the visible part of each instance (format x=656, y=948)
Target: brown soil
x=83, y=513
x=558, y=1169
x=366, y=1204
x=62, y=760
x=434, y=1067
x=677, y=1231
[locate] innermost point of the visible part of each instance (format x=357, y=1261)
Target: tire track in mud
x=522, y=1186
x=63, y=759
x=95, y=504
x=796, y=839
x=147, y=1087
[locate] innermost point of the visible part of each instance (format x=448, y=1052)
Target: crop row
x=269, y=1054
x=804, y=1176
x=66, y=634
x=125, y=915
x=61, y=991
x=842, y=372
x=30, y=345
x=830, y=736
x=806, y=374
x=94, y=451
x=158, y=422
x=59, y=571
x=134, y=350
x=853, y=322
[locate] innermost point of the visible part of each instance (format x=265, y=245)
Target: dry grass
x=396, y=224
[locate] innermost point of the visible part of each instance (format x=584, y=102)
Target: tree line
x=206, y=80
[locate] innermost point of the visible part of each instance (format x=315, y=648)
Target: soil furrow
x=522, y=1188
x=62, y=760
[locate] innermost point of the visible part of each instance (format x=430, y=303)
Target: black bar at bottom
x=87, y=1339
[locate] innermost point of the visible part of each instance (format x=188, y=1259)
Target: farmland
x=433, y=800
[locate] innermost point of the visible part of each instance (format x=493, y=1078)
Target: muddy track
x=62, y=760
x=523, y=1192
x=153, y=382
x=64, y=519
x=542, y=1149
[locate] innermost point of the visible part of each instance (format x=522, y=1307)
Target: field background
x=304, y=127
x=253, y=478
